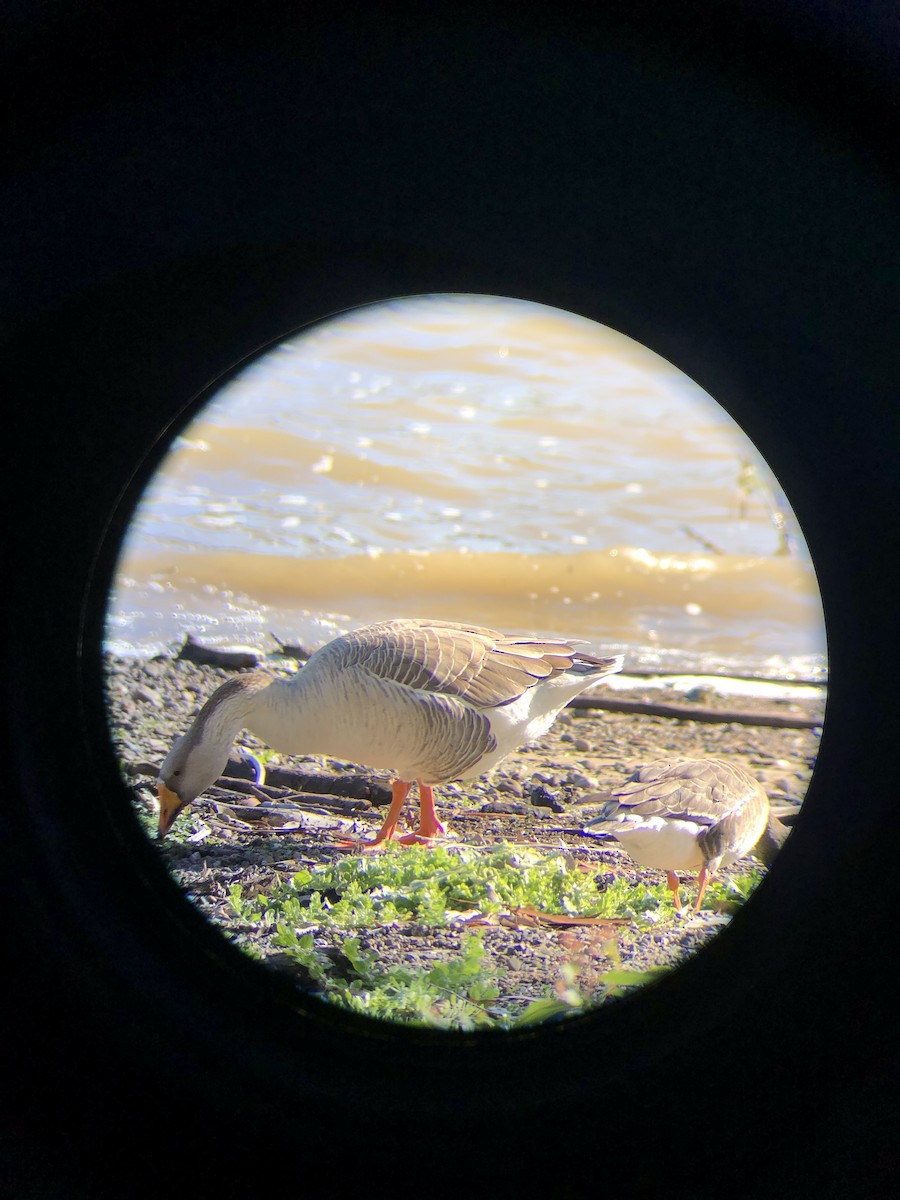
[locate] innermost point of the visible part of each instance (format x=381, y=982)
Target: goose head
x=197, y=758
x=188, y=769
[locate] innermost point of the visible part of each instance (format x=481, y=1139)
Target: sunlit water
x=486, y=461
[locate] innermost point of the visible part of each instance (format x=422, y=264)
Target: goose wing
x=474, y=663
x=710, y=792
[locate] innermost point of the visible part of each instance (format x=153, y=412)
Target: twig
x=291, y=649
x=713, y=549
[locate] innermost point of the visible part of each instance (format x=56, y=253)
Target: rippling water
x=479, y=460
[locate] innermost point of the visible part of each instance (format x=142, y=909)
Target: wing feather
x=472, y=662
x=706, y=791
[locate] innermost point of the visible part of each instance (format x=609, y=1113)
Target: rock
x=579, y=780
x=509, y=786
x=239, y=767
x=541, y=798
x=540, y=778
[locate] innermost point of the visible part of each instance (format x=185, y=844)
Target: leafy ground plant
x=434, y=886
x=454, y=994
x=457, y=886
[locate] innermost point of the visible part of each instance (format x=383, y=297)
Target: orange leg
x=672, y=880
x=388, y=831
x=703, y=879
x=429, y=825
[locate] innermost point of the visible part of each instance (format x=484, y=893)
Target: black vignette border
x=168, y=225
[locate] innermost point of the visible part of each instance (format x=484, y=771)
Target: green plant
x=453, y=994
x=429, y=885
x=731, y=892
x=440, y=886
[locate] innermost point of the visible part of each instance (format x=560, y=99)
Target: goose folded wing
x=672, y=799
x=476, y=664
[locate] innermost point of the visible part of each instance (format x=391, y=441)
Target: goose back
x=480, y=666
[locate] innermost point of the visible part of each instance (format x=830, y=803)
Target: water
x=479, y=460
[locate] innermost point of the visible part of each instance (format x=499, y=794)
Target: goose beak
x=170, y=805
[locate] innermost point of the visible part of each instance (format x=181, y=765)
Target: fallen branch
x=527, y=916
x=690, y=712
x=236, y=659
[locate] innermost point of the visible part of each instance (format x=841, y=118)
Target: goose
x=688, y=815
x=431, y=701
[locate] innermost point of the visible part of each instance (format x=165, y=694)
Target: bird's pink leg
x=672, y=880
x=703, y=880
x=429, y=825
x=388, y=831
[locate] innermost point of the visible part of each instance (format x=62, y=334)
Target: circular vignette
x=193, y=969
x=213, y=1001
x=100, y=591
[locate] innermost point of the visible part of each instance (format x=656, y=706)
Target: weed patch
x=464, y=889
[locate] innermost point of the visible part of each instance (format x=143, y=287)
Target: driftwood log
x=280, y=779
x=692, y=712
x=212, y=656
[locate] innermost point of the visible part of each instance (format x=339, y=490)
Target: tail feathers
x=589, y=664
